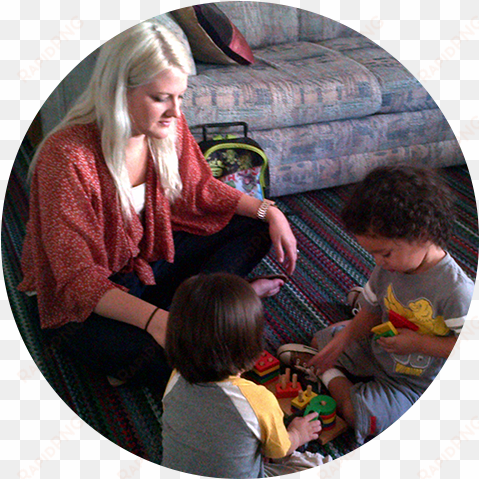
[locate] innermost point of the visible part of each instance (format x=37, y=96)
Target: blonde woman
x=123, y=208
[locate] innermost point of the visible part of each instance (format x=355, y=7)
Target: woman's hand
x=282, y=238
x=280, y=232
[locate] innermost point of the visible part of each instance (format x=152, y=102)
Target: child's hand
x=303, y=429
x=406, y=342
x=327, y=357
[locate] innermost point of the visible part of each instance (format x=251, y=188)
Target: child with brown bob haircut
x=216, y=423
x=403, y=216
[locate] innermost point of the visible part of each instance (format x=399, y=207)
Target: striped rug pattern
x=330, y=263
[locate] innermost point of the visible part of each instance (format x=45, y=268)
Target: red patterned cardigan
x=77, y=236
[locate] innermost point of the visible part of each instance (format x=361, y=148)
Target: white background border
x=425, y=36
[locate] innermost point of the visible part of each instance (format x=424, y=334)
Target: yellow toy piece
x=384, y=330
x=303, y=399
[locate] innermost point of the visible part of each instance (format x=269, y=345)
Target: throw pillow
x=213, y=37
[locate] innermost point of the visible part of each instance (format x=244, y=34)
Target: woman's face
x=154, y=106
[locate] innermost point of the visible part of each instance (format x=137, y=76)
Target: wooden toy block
x=328, y=422
x=326, y=435
x=268, y=372
x=325, y=406
x=264, y=380
x=286, y=388
x=332, y=424
x=300, y=402
x=265, y=363
x=384, y=330
x=329, y=427
x=322, y=404
x=401, y=322
x=265, y=370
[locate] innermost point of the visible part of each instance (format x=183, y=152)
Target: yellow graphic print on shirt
x=420, y=313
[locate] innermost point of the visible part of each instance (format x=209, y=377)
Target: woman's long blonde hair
x=132, y=58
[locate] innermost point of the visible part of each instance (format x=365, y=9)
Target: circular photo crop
x=240, y=240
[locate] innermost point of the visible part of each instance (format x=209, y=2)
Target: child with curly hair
x=215, y=423
x=403, y=216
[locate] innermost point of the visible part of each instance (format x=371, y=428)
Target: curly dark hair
x=401, y=202
x=215, y=327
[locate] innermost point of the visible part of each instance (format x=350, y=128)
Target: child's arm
x=360, y=326
x=408, y=342
x=302, y=430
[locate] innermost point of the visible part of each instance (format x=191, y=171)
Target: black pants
x=128, y=353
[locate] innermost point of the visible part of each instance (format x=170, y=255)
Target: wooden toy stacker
x=291, y=397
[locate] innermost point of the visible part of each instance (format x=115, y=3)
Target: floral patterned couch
x=326, y=103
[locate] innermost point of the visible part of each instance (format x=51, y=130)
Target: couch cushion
x=339, y=138
x=315, y=156
x=318, y=173
x=263, y=24
x=400, y=89
x=289, y=85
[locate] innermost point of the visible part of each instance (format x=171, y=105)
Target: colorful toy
x=286, y=388
x=299, y=403
x=266, y=369
x=332, y=425
x=384, y=330
x=325, y=406
x=401, y=322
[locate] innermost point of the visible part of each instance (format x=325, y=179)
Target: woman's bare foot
x=265, y=287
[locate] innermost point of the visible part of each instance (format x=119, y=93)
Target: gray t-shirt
x=221, y=429
x=436, y=302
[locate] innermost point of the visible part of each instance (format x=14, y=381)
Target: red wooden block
x=288, y=392
x=265, y=362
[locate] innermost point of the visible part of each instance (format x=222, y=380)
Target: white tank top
x=138, y=193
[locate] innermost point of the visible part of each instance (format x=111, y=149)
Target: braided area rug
x=330, y=263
